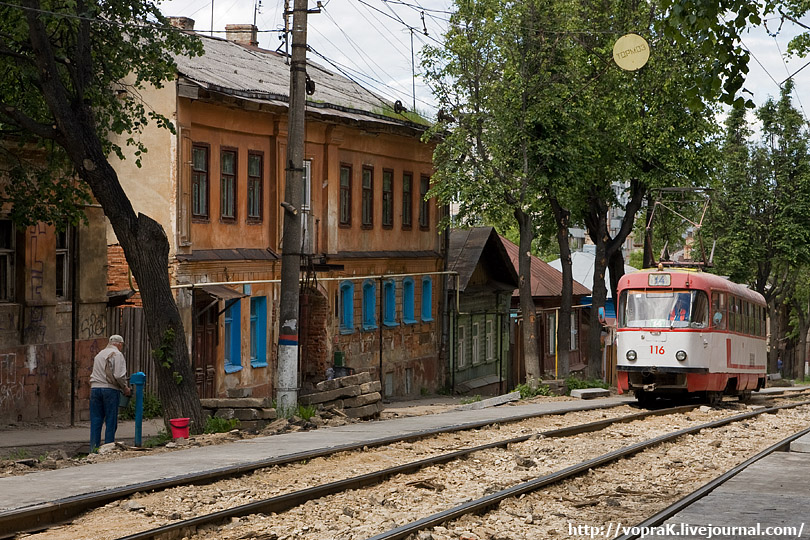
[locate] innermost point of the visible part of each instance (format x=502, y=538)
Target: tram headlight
x=680, y=356
x=631, y=355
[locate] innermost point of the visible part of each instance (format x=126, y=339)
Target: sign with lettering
x=655, y=279
x=631, y=52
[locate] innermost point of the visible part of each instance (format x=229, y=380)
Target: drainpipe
x=380, y=325
x=74, y=308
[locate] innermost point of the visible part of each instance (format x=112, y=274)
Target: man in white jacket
x=108, y=380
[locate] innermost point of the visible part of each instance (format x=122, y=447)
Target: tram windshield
x=664, y=309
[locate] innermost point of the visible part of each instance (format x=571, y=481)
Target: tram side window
x=700, y=310
x=752, y=320
x=719, y=316
x=733, y=309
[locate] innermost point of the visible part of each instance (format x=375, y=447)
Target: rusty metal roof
x=263, y=76
x=546, y=281
x=480, y=245
x=237, y=254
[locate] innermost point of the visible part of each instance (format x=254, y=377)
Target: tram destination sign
x=657, y=279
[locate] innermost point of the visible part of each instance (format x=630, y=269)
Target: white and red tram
x=682, y=331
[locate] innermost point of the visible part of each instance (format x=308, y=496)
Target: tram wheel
x=714, y=398
x=744, y=396
x=645, y=399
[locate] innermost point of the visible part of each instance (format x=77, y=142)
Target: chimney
x=183, y=23
x=243, y=34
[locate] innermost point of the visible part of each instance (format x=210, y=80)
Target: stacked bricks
x=356, y=396
x=118, y=278
x=252, y=413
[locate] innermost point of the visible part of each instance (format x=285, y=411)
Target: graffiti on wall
x=11, y=386
x=93, y=326
x=34, y=332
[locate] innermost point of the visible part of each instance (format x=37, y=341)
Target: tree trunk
x=143, y=240
x=616, y=271
x=530, y=350
x=598, y=295
x=563, y=217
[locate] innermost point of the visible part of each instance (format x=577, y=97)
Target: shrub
x=527, y=391
x=214, y=424
x=470, y=399
x=573, y=383
x=152, y=407
x=158, y=440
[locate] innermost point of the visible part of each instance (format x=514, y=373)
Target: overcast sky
x=370, y=41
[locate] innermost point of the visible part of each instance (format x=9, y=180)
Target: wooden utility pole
x=287, y=380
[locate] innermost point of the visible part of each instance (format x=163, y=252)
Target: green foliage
x=527, y=391
x=574, y=383
x=214, y=424
x=160, y=439
x=92, y=59
x=17, y=453
x=165, y=354
x=152, y=407
x=306, y=412
x=470, y=399
x=423, y=391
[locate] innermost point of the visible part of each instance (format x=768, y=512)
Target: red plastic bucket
x=179, y=427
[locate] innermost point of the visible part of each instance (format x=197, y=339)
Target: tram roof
x=688, y=278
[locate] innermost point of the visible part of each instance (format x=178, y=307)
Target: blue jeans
x=103, y=410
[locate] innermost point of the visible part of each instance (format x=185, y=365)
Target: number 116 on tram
x=684, y=332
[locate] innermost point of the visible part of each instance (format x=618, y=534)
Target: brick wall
x=118, y=278
x=314, y=339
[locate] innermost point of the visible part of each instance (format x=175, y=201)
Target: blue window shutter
x=346, y=307
x=390, y=297
x=408, y=314
x=233, y=337
x=369, y=305
x=258, y=331
x=427, y=299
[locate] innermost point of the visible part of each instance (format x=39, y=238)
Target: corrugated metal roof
x=264, y=76
x=546, y=281
x=468, y=247
x=237, y=254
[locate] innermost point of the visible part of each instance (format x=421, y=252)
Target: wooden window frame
x=424, y=204
x=222, y=217
x=348, y=194
x=367, y=194
x=407, y=202
x=201, y=217
x=250, y=179
x=388, y=199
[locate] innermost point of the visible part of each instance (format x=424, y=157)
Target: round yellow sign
x=631, y=52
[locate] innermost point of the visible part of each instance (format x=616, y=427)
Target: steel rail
x=42, y=516
x=487, y=502
x=671, y=510
x=284, y=502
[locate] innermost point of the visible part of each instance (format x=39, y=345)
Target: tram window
x=719, y=317
x=700, y=310
x=752, y=321
x=660, y=309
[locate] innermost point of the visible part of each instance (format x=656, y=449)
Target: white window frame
x=476, y=343
x=461, y=360
x=490, y=339
x=574, y=331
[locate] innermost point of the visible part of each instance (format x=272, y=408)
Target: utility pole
x=287, y=385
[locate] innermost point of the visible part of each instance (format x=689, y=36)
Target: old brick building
x=372, y=252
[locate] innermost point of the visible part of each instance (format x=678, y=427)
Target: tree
x=71, y=76
x=500, y=81
x=763, y=200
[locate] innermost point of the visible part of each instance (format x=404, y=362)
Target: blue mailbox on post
x=138, y=380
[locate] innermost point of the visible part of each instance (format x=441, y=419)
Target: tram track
x=476, y=506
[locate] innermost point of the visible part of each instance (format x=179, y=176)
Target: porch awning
x=221, y=291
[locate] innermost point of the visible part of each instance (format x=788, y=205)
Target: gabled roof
x=469, y=247
x=546, y=281
x=263, y=76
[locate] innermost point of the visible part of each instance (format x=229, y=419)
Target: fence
x=130, y=323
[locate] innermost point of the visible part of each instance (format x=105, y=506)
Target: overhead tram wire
x=409, y=27
x=787, y=72
x=418, y=8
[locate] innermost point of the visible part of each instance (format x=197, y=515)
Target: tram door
x=205, y=344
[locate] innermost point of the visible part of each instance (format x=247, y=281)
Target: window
x=408, y=313
x=6, y=260
x=427, y=299
x=719, y=317
x=407, y=200
x=551, y=323
x=346, y=307
x=228, y=184
x=490, y=339
x=368, y=198
x=255, y=186
x=574, y=331
x=306, y=202
x=233, y=337
x=476, y=344
x=369, y=305
x=424, y=204
x=345, y=195
x=388, y=199
x=63, y=264
x=390, y=299
x=199, y=181
x=258, y=331
x=462, y=356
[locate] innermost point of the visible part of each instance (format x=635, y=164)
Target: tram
x=684, y=332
